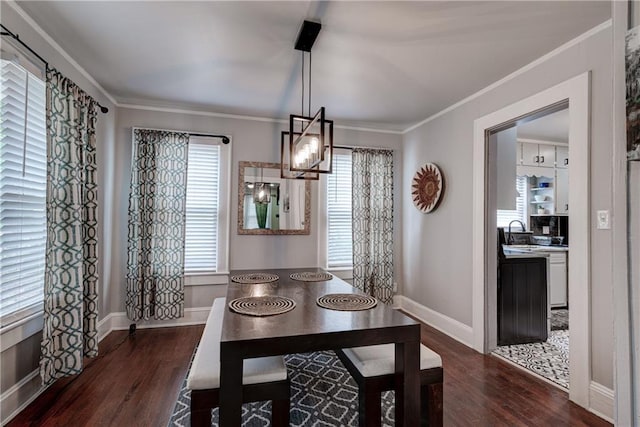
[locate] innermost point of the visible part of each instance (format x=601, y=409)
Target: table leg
x=407, y=383
x=230, y=388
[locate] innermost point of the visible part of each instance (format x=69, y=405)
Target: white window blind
x=202, y=210
x=340, y=240
x=23, y=172
x=520, y=213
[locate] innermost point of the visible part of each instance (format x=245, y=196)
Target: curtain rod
x=224, y=138
x=344, y=147
x=16, y=37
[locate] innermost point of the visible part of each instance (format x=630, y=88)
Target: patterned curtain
x=71, y=273
x=157, y=201
x=372, y=174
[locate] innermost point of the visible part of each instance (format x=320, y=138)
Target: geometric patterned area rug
x=548, y=359
x=322, y=394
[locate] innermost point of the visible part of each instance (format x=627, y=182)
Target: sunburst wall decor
x=427, y=187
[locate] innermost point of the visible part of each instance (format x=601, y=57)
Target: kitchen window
x=339, y=238
x=520, y=213
x=23, y=176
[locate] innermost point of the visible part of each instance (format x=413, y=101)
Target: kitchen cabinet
x=532, y=154
x=558, y=279
x=562, y=191
x=522, y=300
x=562, y=156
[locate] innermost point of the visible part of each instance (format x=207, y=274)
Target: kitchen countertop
x=534, y=248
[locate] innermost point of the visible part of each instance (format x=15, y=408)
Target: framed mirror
x=269, y=204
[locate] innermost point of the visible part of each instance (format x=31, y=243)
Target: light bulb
x=314, y=145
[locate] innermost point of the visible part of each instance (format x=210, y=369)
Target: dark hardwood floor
x=136, y=380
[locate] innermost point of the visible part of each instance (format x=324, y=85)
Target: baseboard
x=192, y=316
x=455, y=329
x=18, y=397
x=601, y=401
x=12, y=401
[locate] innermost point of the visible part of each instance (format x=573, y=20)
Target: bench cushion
x=375, y=360
x=205, y=371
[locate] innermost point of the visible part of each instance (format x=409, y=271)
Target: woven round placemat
x=252, y=278
x=347, y=302
x=311, y=276
x=262, y=306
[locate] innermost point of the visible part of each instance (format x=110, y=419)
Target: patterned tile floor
x=548, y=359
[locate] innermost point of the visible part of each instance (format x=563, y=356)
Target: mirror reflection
x=269, y=204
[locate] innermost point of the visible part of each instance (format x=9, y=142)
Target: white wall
x=437, y=247
x=251, y=140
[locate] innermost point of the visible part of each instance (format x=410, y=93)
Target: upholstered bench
x=373, y=368
x=264, y=378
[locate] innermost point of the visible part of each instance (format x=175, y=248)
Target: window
x=520, y=213
x=206, y=218
x=23, y=173
x=340, y=241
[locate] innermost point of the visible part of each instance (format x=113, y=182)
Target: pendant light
x=261, y=191
x=307, y=148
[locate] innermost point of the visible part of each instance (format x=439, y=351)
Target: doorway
x=531, y=170
x=575, y=93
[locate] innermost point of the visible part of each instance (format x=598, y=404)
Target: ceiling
x=375, y=64
x=552, y=127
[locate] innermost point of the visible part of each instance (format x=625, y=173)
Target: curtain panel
x=372, y=227
x=71, y=273
x=157, y=202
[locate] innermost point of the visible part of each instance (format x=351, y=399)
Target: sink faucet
x=510, y=238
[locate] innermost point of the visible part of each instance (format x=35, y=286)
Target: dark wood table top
x=307, y=318
x=309, y=327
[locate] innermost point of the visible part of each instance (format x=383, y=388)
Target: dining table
x=308, y=327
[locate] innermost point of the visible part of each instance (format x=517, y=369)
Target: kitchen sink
x=535, y=248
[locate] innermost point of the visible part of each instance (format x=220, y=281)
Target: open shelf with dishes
x=541, y=195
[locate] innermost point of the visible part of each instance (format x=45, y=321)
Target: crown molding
x=242, y=117
x=595, y=30
x=38, y=29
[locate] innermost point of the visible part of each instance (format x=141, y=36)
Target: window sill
x=206, y=279
x=344, y=273
x=19, y=331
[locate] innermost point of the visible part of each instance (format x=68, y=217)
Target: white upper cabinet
x=562, y=156
x=533, y=154
x=562, y=191
x=528, y=153
x=546, y=155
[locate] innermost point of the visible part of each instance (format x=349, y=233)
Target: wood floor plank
x=136, y=379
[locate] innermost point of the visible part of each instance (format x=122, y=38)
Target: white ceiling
x=552, y=127
x=376, y=64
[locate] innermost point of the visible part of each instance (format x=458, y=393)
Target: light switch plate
x=603, y=220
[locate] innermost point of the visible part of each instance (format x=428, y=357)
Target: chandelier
x=307, y=148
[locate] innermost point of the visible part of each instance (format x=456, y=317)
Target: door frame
x=577, y=92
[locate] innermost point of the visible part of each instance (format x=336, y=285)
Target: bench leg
x=370, y=402
x=431, y=405
x=280, y=413
x=201, y=418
